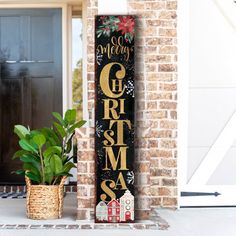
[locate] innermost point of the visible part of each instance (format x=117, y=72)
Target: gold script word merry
x=115, y=47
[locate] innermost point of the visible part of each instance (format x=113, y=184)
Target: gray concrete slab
x=200, y=221
x=13, y=211
x=183, y=222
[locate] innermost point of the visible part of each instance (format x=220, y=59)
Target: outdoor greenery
x=46, y=152
x=77, y=89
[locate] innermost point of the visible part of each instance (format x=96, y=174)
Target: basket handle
x=61, y=194
x=28, y=184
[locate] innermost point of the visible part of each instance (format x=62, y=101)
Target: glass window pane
x=77, y=85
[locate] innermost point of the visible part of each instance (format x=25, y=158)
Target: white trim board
x=183, y=81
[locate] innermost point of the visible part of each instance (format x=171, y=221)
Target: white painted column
x=112, y=7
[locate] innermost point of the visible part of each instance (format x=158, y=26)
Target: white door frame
x=66, y=44
x=183, y=82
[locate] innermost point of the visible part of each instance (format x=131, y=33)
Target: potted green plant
x=46, y=157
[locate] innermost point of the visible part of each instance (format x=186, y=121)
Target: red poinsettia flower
x=126, y=25
x=103, y=18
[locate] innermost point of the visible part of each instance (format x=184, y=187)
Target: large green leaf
x=70, y=116
x=19, y=172
x=56, y=164
x=48, y=174
x=20, y=153
x=32, y=176
x=46, y=161
x=21, y=131
x=30, y=159
x=34, y=132
x=51, y=136
x=25, y=144
x=52, y=150
x=69, y=144
x=39, y=139
x=76, y=125
x=68, y=166
x=60, y=129
x=64, y=174
x=30, y=167
x=58, y=117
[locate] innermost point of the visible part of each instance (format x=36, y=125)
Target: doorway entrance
x=30, y=76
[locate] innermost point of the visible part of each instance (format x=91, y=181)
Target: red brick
x=136, y=5
x=91, y=167
x=82, y=167
x=169, y=201
x=152, y=143
x=160, y=172
x=168, y=50
x=168, y=87
x=163, y=191
x=152, y=41
x=82, y=191
x=169, y=15
x=85, y=202
x=92, y=192
x=142, y=190
x=172, y=5
x=173, y=115
x=168, y=105
x=151, y=67
x=167, y=68
x=156, y=201
x=170, y=163
x=82, y=144
x=163, y=153
x=167, y=32
x=86, y=155
x=82, y=214
x=155, y=5
x=158, y=96
x=151, y=86
x=168, y=144
x=156, y=114
x=167, y=41
x=159, y=77
x=166, y=124
x=143, y=167
x=153, y=23
x=157, y=58
x=169, y=182
x=85, y=179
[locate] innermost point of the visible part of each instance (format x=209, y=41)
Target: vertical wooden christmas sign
x=114, y=118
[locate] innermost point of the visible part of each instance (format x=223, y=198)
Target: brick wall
x=156, y=114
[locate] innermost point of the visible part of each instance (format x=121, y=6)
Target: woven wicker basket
x=44, y=201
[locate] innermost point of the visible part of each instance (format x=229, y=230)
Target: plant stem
x=55, y=180
x=42, y=165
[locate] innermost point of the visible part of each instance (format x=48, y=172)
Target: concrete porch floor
x=183, y=222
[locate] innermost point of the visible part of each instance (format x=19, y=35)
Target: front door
x=30, y=76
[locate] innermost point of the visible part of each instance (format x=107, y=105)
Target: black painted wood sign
x=114, y=118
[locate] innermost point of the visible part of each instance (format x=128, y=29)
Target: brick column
x=156, y=98
x=86, y=174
